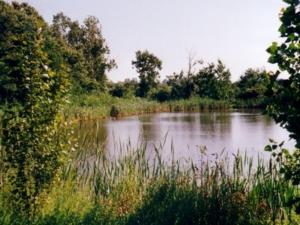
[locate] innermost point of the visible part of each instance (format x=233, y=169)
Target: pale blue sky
x=236, y=31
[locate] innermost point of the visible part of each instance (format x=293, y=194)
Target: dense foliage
x=253, y=84
x=252, y=87
x=127, y=88
x=85, y=51
x=147, y=65
x=32, y=92
x=213, y=81
x=210, y=81
x=285, y=105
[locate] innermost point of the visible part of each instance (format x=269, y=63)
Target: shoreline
x=102, y=107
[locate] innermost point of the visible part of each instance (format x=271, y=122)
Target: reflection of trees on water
x=255, y=116
x=268, y=121
x=216, y=130
x=207, y=123
x=90, y=134
x=178, y=117
x=252, y=119
x=190, y=122
x=149, y=128
x=182, y=122
x=259, y=121
x=224, y=122
x=215, y=123
x=151, y=132
x=188, y=118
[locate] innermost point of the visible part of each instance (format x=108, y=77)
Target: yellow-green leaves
x=33, y=92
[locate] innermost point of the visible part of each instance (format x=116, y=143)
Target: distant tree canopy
x=253, y=84
x=285, y=107
x=86, y=51
x=148, y=67
x=210, y=81
x=127, y=88
x=181, y=86
x=252, y=87
x=81, y=50
x=213, y=81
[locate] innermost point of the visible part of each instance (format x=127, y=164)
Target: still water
x=185, y=133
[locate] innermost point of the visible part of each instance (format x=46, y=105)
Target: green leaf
x=273, y=48
x=285, y=151
x=291, y=37
x=268, y=148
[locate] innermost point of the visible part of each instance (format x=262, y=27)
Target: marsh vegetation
x=53, y=78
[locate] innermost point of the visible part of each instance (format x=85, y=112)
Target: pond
x=184, y=134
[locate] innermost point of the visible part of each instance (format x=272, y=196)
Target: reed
x=92, y=106
x=136, y=185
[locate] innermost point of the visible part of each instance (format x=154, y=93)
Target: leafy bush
x=114, y=112
x=33, y=93
x=161, y=94
x=284, y=107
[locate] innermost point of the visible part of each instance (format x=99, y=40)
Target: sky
x=235, y=31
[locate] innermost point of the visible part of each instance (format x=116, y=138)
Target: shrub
x=33, y=149
x=114, y=112
x=161, y=94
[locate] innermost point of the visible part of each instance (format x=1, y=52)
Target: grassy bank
x=100, y=106
x=135, y=187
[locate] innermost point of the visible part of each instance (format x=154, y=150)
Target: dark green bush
x=161, y=94
x=114, y=112
x=33, y=93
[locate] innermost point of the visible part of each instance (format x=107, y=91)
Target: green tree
x=252, y=87
x=181, y=85
x=148, y=67
x=285, y=105
x=286, y=98
x=161, y=93
x=96, y=52
x=127, y=88
x=86, y=51
x=67, y=33
x=254, y=83
x=213, y=81
x=33, y=92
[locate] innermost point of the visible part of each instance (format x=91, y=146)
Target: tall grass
x=136, y=187
x=196, y=104
x=88, y=106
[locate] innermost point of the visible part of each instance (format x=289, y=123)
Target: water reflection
x=187, y=131
x=150, y=130
x=213, y=124
x=93, y=132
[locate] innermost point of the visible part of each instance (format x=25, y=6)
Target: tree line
x=82, y=52
x=204, y=80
